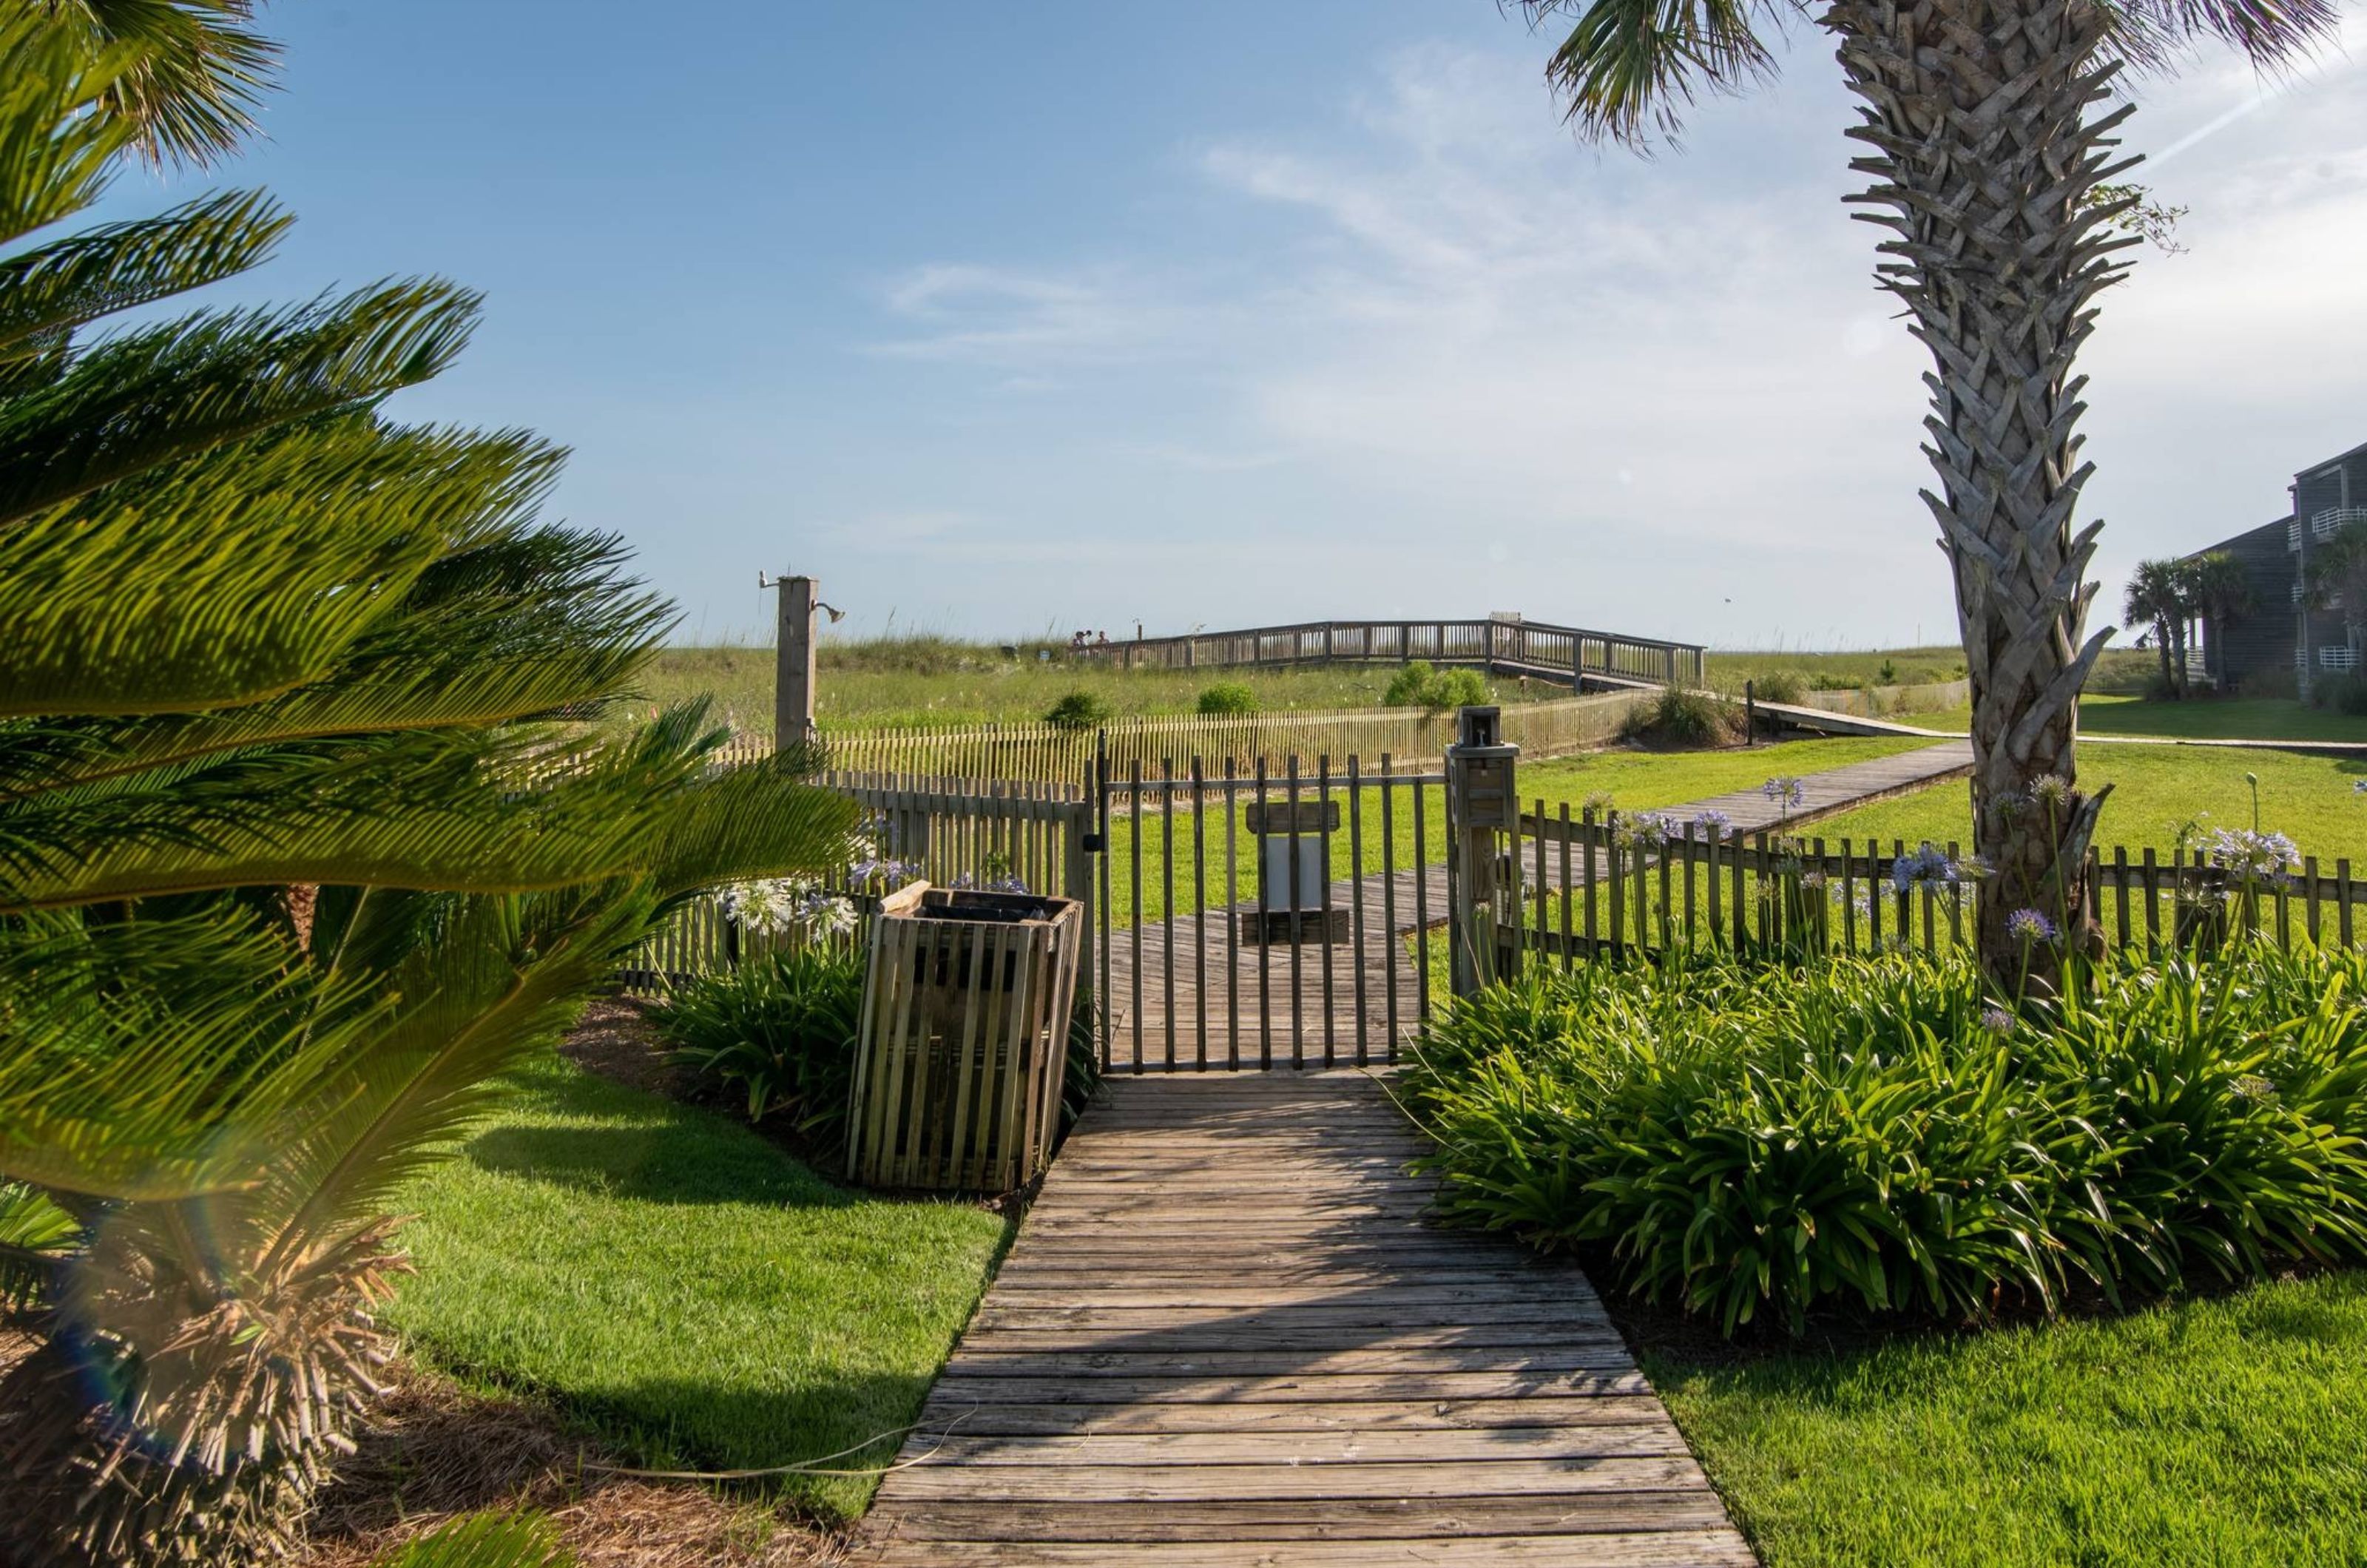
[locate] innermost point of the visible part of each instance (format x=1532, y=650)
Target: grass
x=2154, y=790
x=915, y=682
x=682, y=1286
x=2201, y=719
x=2228, y=1430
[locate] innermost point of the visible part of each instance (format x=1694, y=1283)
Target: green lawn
x=2231, y=1432
x=2155, y=789
x=2236, y=718
x=683, y=1286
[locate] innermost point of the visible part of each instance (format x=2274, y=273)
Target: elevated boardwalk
x=1226, y=1335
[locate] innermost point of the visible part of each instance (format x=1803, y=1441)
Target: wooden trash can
x=964, y=1043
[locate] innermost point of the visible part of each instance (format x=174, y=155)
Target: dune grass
x=915, y=682
x=2226, y=1430
x=2156, y=790
x=683, y=1287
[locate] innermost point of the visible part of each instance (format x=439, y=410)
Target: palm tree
x=2337, y=579
x=303, y=838
x=2154, y=599
x=2212, y=587
x=1983, y=141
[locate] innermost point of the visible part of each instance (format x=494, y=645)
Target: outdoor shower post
x=793, y=678
x=1482, y=804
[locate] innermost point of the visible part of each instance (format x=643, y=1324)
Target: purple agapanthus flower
x=1786, y=791
x=1997, y=1020
x=2029, y=925
x=1928, y=866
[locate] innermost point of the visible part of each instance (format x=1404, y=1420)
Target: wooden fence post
x=1481, y=804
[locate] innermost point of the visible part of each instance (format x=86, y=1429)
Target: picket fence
x=1570, y=887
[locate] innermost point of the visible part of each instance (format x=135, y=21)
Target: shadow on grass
x=657, y=1162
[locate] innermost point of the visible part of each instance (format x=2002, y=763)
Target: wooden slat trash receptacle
x=964, y=1041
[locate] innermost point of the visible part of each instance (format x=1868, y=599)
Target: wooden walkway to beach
x=1205, y=999
x=1227, y=1337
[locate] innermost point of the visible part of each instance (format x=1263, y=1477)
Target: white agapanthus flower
x=2251, y=854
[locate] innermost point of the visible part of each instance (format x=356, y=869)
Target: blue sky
x=1046, y=315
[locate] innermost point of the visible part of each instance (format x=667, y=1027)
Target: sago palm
x=305, y=834
x=1985, y=131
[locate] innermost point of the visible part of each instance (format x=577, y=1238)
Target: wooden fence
x=1045, y=754
x=1875, y=702
x=1568, y=887
x=1497, y=643
x=951, y=832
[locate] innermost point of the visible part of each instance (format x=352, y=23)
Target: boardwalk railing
x=1049, y=753
x=1496, y=643
x=1571, y=887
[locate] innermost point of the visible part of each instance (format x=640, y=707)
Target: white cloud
x=1441, y=336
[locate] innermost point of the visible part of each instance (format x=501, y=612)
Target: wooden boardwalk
x=1226, y=1336
x=1206, y=1000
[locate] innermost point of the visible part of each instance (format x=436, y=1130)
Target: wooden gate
x=1273, y=914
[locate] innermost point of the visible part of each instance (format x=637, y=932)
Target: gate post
x=1481, y=804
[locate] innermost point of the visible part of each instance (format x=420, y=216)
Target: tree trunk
x=1977, y=115
x=2178, y=656
x=2161, y=646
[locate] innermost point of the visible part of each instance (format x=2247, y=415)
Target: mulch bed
x=433, y=1450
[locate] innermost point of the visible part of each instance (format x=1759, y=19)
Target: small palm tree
x=302, y=838
x=2154, y=600
x=1982, y=136
x=2337, y=580
x=2212, y=587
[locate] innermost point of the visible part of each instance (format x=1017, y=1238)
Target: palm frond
x=149, y=1058
x=263, y=570
x=196, y=69
x=1629, y=69
x=161, y=394
x=55, y=148
x=47, y=292
x=2154, y=34
x=35, y=1237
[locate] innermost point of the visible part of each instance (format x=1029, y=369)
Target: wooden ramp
x=1227, y=1336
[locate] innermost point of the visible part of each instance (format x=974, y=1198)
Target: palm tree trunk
x=2161, y=646
x=1982, y=147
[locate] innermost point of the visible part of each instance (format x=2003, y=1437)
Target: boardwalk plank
x=1232, y=1335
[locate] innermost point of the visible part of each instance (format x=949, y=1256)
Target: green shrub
x=1677, y=716
x=1419, y=684
x=2341, y=693
x=1227, y=697
x=780, y=1027
x=1782, y=686
x=1877, y=1133
x=1079, y=710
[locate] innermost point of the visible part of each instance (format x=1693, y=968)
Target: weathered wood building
x=2283, y=634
